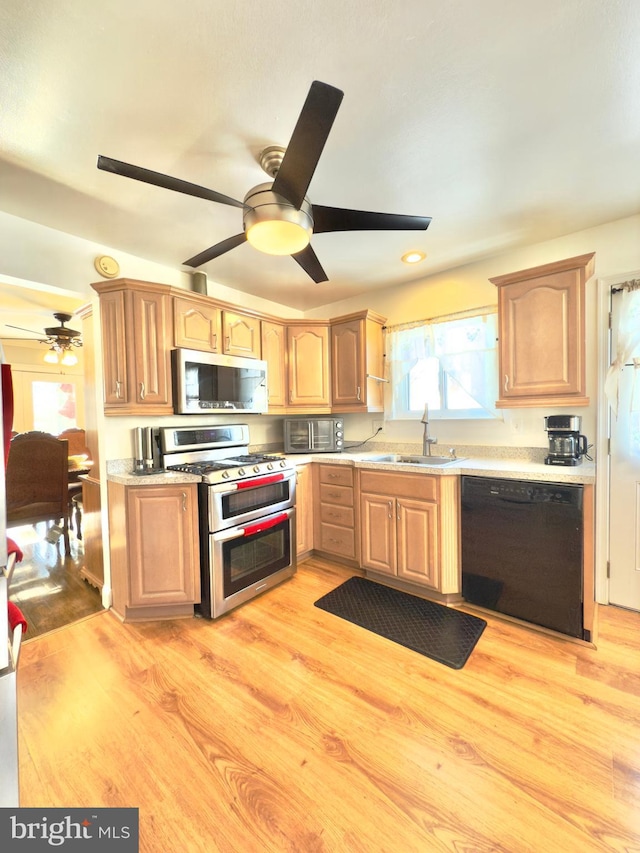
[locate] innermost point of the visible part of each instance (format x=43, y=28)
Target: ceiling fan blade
x=342, y=219
x=309, y=262
x=217, y=250
x=157, y=179
x=21, y=329
x=307, y=141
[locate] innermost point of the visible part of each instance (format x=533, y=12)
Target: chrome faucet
x=427, y=441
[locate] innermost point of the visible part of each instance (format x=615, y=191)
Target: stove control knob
x=241, y=472
x=269, y=466
x=256, y=468
x=283, y=464
x=225, y=475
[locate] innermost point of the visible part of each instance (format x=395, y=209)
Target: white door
x=624, y=484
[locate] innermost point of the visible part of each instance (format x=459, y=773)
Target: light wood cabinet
x=155, y=556
x=136, y=342
x=274, y=352
x=197, y=323
x=304, y=510
x=241, y=334
x=335, y=512
x=357, y=363
x=409, y=529
x=308, y=368
x=541, y=315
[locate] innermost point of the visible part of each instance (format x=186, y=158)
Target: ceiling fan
x=277, y=216
x=60, y=340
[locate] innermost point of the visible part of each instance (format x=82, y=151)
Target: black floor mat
x=441, y=633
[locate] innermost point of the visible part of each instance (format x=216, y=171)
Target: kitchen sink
x=401, y=459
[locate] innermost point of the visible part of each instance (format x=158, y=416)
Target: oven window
x=245, y=500
x=250, y=558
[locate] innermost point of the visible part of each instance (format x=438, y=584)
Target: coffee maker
x=566, y=445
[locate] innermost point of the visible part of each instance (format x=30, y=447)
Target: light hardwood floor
x=282, y=728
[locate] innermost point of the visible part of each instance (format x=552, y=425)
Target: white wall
x=617, y=248
x=35, y=253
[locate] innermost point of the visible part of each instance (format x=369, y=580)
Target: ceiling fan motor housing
x=265, y=209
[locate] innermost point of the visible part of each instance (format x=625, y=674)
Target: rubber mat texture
x=441, y=633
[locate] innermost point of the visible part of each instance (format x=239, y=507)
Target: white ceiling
x=508, y=123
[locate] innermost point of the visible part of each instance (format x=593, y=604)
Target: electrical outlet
x=376, y=426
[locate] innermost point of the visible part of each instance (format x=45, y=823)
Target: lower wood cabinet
x=409, y=528
x=155, y=557
x=335, y=532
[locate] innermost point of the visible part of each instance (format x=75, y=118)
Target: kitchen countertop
x=511, y=469
x=120, y=471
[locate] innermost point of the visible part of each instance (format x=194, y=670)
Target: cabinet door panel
x=274, y=345
x=378, y=534
x=196, y=326
x=112, y=311
x=541, y=330
x=151, y=351
x=347, y=357
x=241, y=334
x=417, y=542
x=163, y=558
x=308, y=365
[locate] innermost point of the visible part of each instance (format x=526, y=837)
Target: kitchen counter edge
x=509, y=469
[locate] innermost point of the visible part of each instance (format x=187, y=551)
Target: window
x=54, y=405
x=450, y=364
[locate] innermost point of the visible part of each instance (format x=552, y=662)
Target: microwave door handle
x=311, y=437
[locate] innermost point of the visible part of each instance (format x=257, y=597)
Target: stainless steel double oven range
x=246, y=507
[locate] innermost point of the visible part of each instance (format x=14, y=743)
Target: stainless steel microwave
x=205, y=382
x=313, y=435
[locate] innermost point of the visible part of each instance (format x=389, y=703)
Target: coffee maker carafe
x=566, y=445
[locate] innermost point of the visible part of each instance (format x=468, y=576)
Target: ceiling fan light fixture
x=273, y=225
x=51, y=356
x=69, y=359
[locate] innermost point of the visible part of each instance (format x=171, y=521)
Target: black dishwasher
x=522, y=550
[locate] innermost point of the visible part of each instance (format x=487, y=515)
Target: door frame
x=603, y=431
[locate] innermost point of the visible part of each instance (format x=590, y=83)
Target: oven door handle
x=260, y=481
x=259, y=526
x=249, y=484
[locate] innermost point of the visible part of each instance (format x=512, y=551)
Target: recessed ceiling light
x=413, y=257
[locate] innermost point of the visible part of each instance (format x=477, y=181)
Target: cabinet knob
x=142, y=391
x=506, y=382
x=390, y=509
x=118, y=386
x=358, y=393
x=184, y=502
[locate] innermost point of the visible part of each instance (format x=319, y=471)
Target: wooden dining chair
x=77, y=441
x=37, y=481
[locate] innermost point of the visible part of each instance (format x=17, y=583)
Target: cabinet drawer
x=337, y=540
x=341, y=475
x=336, y=494
x=333, y=514
x=419, y=486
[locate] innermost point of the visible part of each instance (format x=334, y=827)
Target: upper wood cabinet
x=308, y=367
x=197, y=324
x=136, y=339
x=357, y=363
x=542, y=334
x=241, y=334
x=274, y=352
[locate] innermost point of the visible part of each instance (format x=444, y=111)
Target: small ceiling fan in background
x=61, y=340
x=277, y=217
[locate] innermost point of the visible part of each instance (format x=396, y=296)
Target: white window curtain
x=628, y=341
x=465, y=345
